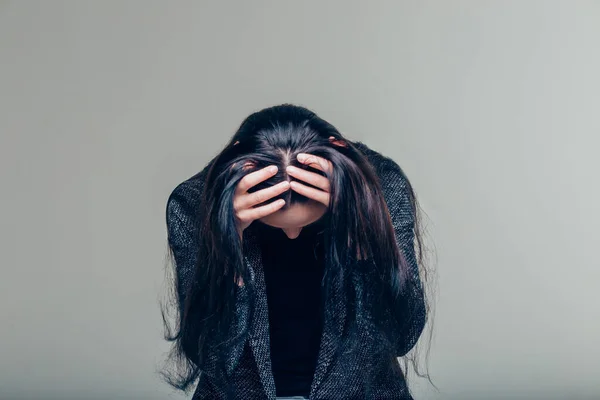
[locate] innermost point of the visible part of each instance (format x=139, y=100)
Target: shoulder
x=185, y=199
x=182, y=200
x=391, y=175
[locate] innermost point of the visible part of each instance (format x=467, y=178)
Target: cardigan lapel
x=259, y=328
x=332, y=330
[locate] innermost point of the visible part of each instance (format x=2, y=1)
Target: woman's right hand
x=244, y=202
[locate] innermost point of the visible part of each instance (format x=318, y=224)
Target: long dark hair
x=357, y=224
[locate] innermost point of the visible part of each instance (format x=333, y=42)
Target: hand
x=321, y=192
x=322, y=195
x=320, y=163
x=244, y=202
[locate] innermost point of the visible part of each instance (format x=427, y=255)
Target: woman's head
x=275, y=136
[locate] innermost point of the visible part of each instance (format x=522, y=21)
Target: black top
x=293, y=271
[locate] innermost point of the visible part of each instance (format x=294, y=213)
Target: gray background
x=491, y=107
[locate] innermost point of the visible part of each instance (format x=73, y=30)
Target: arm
x=182, y=220
x=408, y=309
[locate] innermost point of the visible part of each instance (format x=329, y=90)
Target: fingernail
x=302, y=156
x=273, y=168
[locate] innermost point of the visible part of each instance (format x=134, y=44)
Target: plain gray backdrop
x=491, y=107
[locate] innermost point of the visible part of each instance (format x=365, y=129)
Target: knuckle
x=241, y=186
x=242, y=217
x=258, y=197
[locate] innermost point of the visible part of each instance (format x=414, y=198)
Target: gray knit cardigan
x=337, y=376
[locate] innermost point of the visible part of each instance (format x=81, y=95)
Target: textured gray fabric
x=345, y=375
x=292, y=398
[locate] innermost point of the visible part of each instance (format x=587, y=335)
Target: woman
x=296, y=272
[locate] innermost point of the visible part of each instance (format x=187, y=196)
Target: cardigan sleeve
x=408, y=308
x=182, y=220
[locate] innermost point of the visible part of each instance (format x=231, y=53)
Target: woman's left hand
x=321, y=182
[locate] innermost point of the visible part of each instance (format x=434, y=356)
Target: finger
x=251, y=214
x=254, y=178
x=260, y=196
x=317, y=162
x=313, y=178
x=247, y=165
x=312, y=193
x=240, y=281
x=337, y=142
